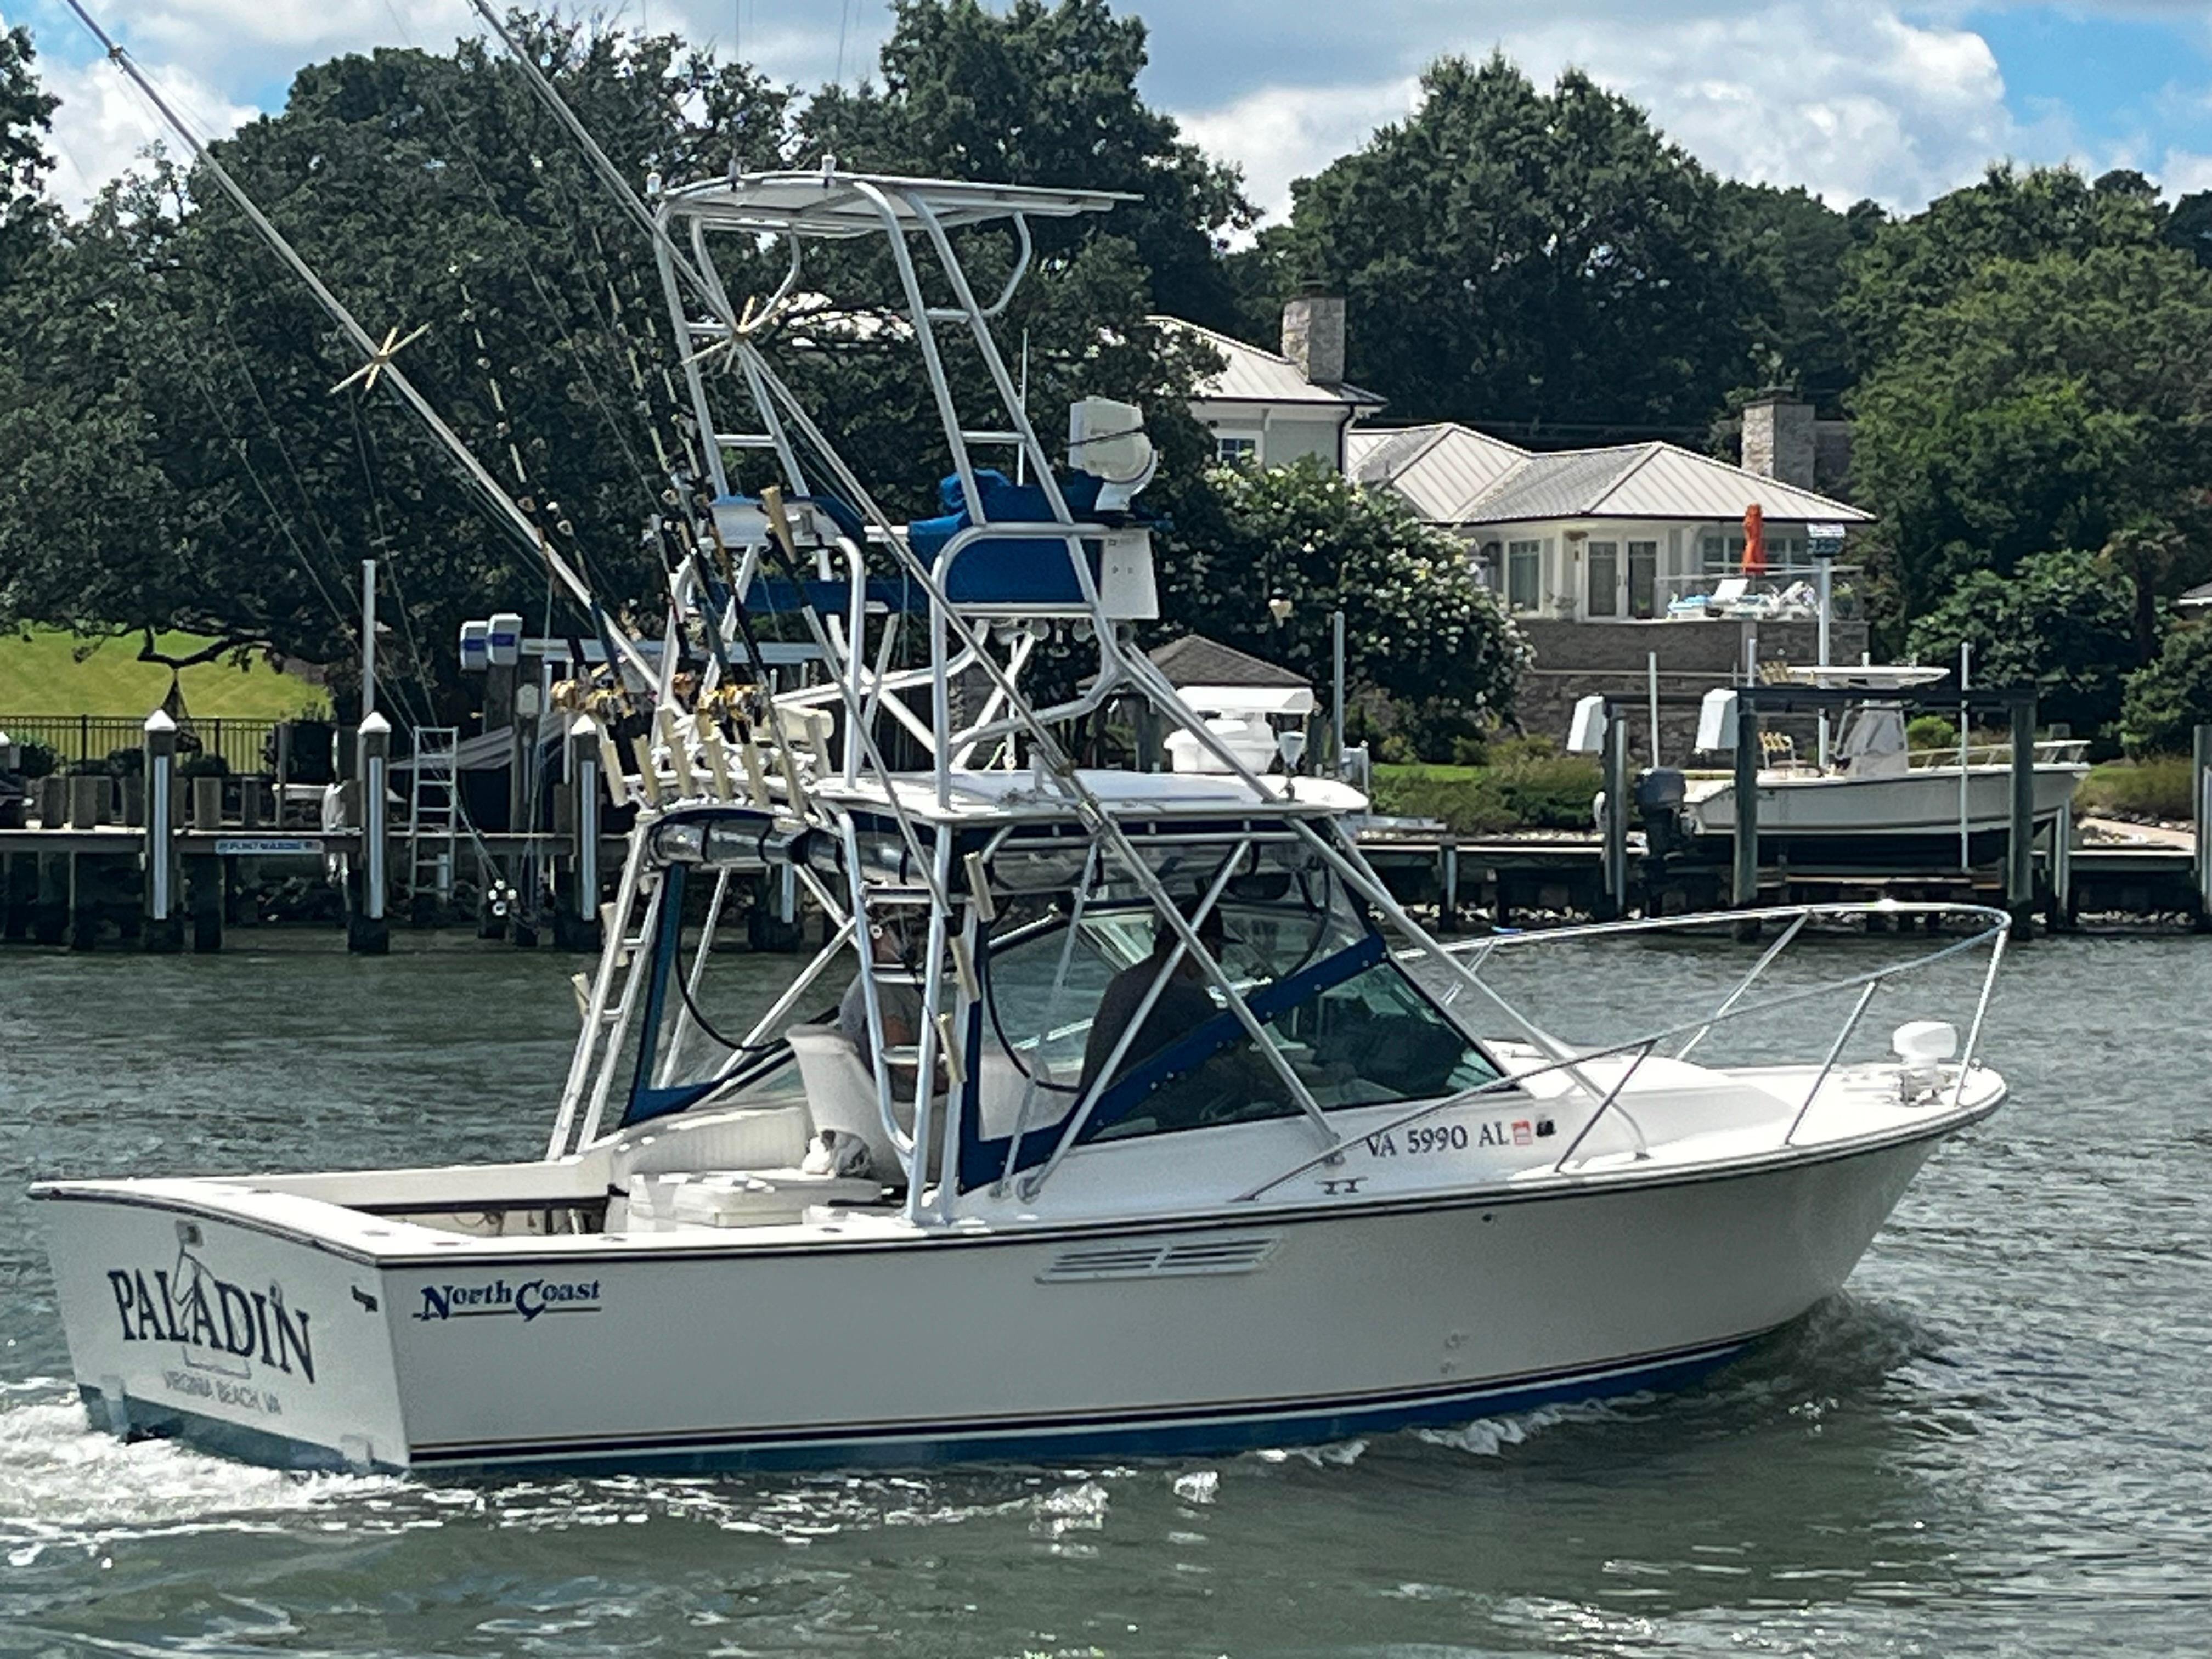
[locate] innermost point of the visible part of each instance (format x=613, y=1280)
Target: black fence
x=244, y=746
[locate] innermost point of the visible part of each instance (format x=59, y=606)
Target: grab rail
x=1996, y=928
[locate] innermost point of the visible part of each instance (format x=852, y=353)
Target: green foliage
x=1525, y=788
x=26, y=112
x=2053, y=401
x=1930, y=732
x=1527, y=261
x=1042, y=95
x=1911, y=267
x=2189, y=227
x=36, y=760
x=2168, y=697
x=1793, y=248
x=1419, y=629
x=2062, y=623
x=2156, y=786
x=171, y=454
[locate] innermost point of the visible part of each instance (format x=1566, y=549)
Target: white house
x=1275, y=407
x=1591, y=535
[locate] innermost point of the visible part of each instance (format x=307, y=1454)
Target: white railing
x=1990, y=929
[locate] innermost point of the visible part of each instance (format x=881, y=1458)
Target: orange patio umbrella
x=1754, y=541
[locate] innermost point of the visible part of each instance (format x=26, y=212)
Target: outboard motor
x=1659, y=795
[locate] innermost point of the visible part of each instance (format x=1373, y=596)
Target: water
x=1999, y=1441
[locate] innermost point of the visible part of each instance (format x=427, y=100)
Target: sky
x=1850, y=98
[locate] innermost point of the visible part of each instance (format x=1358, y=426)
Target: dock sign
x=247, y=846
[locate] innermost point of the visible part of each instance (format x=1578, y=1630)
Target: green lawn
x=40, y=676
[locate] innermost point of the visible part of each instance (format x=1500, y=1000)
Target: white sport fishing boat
x=1156, y=1124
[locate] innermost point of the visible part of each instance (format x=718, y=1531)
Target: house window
x=1602, y=561
x=1524, y=574
x=1721, y=556
x=1234, y=451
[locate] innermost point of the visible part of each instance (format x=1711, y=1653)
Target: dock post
x=1448, y=902
x=2200, y=790
x=164, y=929
x=19, y=892
x=1743, y=887
x=367, y=930
x=1616, y=816
x=2019, y=844
x=576, y=925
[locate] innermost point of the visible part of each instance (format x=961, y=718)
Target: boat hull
x=1910, y=814
x=1277, y=1327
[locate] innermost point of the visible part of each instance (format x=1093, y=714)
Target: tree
x=189, y=464
x=2168, y=698
x=1419, y=628
x=2189, y=227
x=26, y=112
x=1043, y=94
x=1793, y=248
x=2048, y=402
x=1912, y=267
x=1538, y=264
x=2062, y=623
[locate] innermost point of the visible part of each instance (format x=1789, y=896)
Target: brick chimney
x=1313, y=337
x=1778, y=439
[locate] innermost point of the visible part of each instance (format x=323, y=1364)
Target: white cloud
x=2185, y=173
x=104, y=122
x=1281, y=133
x=1849, y=99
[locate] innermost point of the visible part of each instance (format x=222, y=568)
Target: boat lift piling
x=2200, y=791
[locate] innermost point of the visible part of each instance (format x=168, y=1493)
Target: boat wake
x=64, y=1485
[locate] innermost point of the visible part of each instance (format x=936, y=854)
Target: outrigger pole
x=381, y=355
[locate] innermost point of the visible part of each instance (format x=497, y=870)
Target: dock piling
x=576, y=923
x=368, y=932
x=164, y=928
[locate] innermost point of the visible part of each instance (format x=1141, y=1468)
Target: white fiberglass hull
x=1923, y=802
x=238, y=1323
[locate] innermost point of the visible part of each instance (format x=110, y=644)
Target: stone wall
x=1574, y=660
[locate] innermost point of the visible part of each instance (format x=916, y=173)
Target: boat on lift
x=1151, y=1121
x=1871, y=798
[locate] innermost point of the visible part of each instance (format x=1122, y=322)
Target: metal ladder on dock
x=434, y=808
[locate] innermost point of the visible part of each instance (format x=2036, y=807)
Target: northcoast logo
x=525, y=1301
x=205, y=1315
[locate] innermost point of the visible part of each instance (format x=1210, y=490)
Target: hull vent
x=1159, y=1261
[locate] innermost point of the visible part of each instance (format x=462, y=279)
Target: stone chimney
x=1313, y=337
x=1778, y=433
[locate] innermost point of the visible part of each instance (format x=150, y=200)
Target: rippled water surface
x=1999, y=1441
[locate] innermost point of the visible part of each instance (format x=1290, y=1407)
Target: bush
x=2169, y=696
x=2153, y=788
x=1930, y=732
x=1526, y=788
x=203, y=765
x=1466, y=799
x=39, y=761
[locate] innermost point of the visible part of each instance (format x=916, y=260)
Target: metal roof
x=1254, y=376
x=837, y=204
x=1628, y=481
x=1441, y=470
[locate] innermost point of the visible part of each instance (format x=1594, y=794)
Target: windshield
x=1093, y=1004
